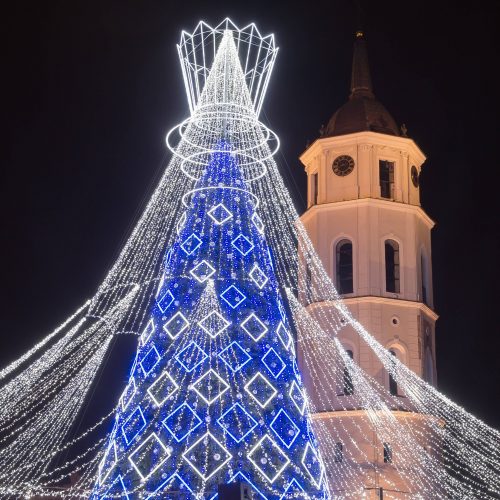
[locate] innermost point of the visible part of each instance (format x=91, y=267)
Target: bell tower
x=373, y=237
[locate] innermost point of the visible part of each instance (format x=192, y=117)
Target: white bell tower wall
x=366, y=223
x=358, y=208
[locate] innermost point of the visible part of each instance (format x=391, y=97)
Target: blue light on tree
x=214, y=394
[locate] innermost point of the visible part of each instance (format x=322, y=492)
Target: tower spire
x=362, y=112
x=361, y=81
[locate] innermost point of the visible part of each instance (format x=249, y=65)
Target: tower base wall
x=360, y=468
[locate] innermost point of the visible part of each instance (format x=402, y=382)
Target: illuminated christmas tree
x=214, y=394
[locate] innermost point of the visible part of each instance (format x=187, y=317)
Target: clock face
x=414, y=175
x=343, y=165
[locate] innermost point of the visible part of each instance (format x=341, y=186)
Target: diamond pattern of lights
x=270, y=258
x=182, y=221
x=296, y=370
x=149, y=456
x=160, y=285
x=128, y=394
x=135, y=363
x=297, y=396
x=191, y=356
x=232, y=296
x=235, y=356
x=281, y=309
x=150, y=360
x=207, y=456
x=191, y=244
x=284, y=335
x=254, y=327
x=118, y=480
x=165, y=301
x=133, y=425
x=181, y=422
x=176, y=325
x=268, y=458
x=242, y=244
x=162, y=388
x=168, y=260
x=257, y=222
x=260, y=389
x=239, y=476
x=220, y=214
x=174, y=484
x=214, y=323
x=210, y=386
x=313, y=465
x=148, y=331
x=237, y=422
x=258, y=277
x=202, y=271
x=293, y=490
x=108, y=462
x=273, y=362
x=285, y=428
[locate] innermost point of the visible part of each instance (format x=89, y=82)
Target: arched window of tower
x=386, y=178
x=392, y=268
x=393, y=385
x=344, y=266
x=314, y=189
x=348, y=386
x=400, y=352
x=387, y=453
x=339, y=453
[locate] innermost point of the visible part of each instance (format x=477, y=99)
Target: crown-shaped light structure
x=225, y=98
x=197, y=51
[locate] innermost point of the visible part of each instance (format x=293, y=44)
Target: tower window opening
x=392, y=280
x=344, y=267
x=393, y=385
x=387, y=453
x=339, y=453
x=386, y=175
x=314, y=189
x=348, y=388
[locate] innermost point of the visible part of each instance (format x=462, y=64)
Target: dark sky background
x=89, y=90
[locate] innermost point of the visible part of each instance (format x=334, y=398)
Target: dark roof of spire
x=362, y=112
x=361, y=80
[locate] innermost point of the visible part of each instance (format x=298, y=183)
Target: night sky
x=89, y=90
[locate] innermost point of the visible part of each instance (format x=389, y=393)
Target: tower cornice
x=376, y=299
x=319, y=146
x=314, y=210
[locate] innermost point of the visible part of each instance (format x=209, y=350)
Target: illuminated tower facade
x=366, y=223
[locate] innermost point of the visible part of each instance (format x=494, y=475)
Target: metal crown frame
x=256, y=53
